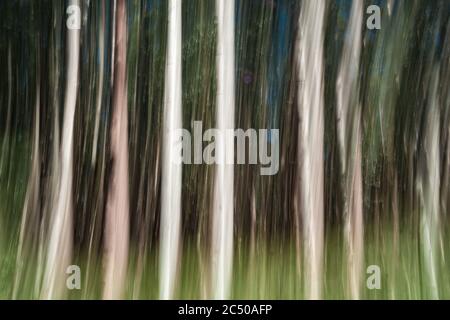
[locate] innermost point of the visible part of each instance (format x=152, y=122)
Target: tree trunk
x=349, y=139
x=117, y=216
x=223, y=210
x=60, y=241
x=171, y=171
x=309, y=52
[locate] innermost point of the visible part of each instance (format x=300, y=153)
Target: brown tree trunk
x=117, y=219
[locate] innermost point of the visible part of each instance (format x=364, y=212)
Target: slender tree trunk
x=223, y=211
x=349, y=139
x=60, y=241
x=310, y=140
x=171, y=170
x=101, y=53
x=117, y=207
x=52, y=182
x=428, y=185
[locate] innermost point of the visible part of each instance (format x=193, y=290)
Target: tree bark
x=117, y=207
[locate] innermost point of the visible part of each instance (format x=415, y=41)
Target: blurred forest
x=364, y=120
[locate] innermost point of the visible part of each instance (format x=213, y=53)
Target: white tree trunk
x=309, y=52
x=429, y=186
x=60, y=240
x=171, y=171
x=222, y=245
x=349, y=139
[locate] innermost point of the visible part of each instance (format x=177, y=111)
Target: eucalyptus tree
x=117, y=207
x=101, y=75
x=59, y=249
x=223, y=203
x=428, y=182
x=309, y=53
x=171, y=170
x=349, y=133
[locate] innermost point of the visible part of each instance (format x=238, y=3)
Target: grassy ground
x=272, y=274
